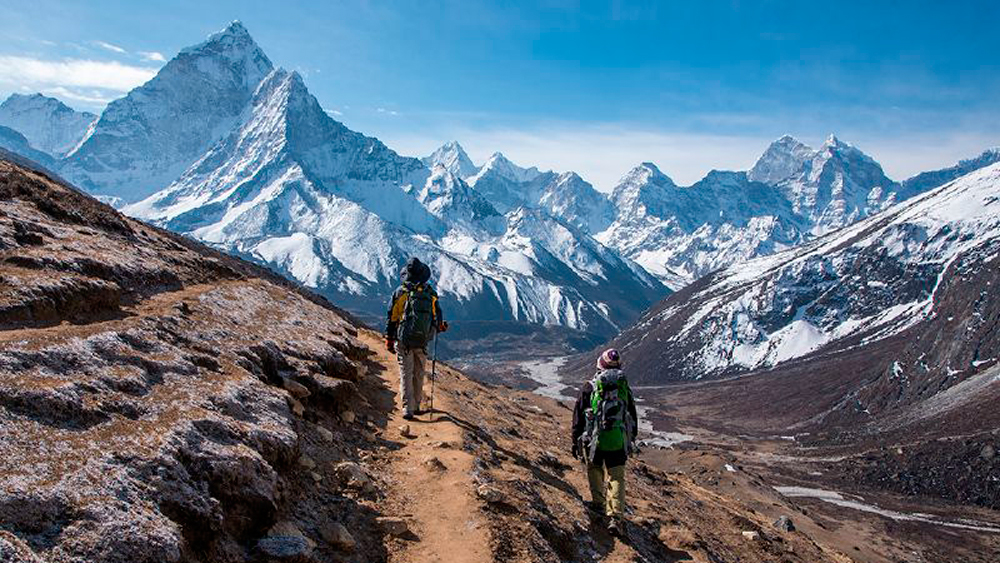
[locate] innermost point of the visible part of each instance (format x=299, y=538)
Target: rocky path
x=431, y=485
x=487, y=477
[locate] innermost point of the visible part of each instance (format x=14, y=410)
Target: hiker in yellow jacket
x=414, y=319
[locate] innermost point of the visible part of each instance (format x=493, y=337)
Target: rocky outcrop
x=151, y=395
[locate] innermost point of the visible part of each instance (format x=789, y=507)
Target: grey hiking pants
x=411, y=377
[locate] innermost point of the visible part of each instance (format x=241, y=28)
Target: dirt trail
x=487, y=478
x=432, y=485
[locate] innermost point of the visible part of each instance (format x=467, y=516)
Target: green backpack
x=416, y=327
x=609, y=424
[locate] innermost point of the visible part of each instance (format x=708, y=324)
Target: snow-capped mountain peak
x=450, y=199
x=782, y=159
x=644, y=186
x=500, y=165
x=48, y=124
x=452, y=156
x=139, y=145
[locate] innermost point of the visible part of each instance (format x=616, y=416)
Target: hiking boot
x=616, y=527
x=595, y=509
x=408, y=416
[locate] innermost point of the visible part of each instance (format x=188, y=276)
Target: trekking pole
x=434, y=360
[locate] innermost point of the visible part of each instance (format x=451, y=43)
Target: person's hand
x=390, y=345
x=443, y=326
x=576, y=450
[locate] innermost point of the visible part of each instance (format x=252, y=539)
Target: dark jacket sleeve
x=391, y=325
x=580, y=411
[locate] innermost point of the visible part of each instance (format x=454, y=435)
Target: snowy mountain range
x=257, y=167
x=46, y=123
x=277, y=180
x=901, y=271
x=791, y=195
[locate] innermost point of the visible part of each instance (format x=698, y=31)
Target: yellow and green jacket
x=398, y=305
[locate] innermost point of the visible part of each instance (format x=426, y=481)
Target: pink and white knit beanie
x=610, y=359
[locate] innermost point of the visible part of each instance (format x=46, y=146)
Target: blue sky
x=594, y=87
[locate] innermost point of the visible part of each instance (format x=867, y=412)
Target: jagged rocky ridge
x=793, y=194
x=157, y=397
x=864, y=283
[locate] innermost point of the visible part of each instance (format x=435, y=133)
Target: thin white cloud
x=337, y=113
x=88, y=97
x=109, y=47
x=38, y=74
x=152, y=56
x=387, y=111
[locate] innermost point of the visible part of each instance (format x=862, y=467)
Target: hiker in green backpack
x=604, y=429
x=414, y=320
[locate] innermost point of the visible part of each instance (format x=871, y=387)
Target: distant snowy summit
x=453, y=158
x=46, y=123
x=911, y=269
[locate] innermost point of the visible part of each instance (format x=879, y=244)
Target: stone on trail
x=392, y=525
x=404, y=431
x=784, y=524
x=489, y=493
x=751, y=535
x=435, y=464
x=335, y=534
x=325, y=434
x=347, y=417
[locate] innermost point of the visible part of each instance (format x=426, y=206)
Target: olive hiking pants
x=607, y=484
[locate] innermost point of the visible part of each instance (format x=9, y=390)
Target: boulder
x=286, y=549
x=297, y=390
x=336, y=534
x=335, y=365
x=296, y=407
x=784, y=524
x=392, y=525
x=335, y=392
x=489, y=493
x=352, y=475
